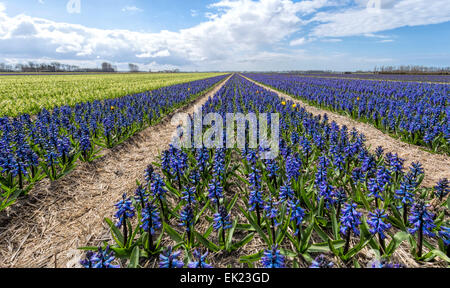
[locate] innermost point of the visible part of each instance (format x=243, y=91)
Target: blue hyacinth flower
x=272, y=258
x=169, y=259
x=200, y=260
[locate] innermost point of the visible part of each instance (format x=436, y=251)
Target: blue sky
x=154, y=15
x=210, y=35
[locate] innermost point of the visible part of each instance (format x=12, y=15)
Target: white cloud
x=307, y=7
x=360, y=21
x=383, y=4
x=131, y=9
x=162, y=53
x=372, y=35
x=24, y=29
x=298, y=42
x=236, y=29
x=331, y=40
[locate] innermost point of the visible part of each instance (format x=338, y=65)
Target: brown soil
x=436, y=166
x=46, y=228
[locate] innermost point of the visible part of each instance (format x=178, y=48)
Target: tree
x=107, y=67
x=133, y=67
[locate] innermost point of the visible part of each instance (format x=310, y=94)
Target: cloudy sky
x=206, y=35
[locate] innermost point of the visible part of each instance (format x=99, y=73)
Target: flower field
x=49, y=144
x=225, y=143
x=29, y=94
x=417, y=113
x=325, y=201
x=388, y=77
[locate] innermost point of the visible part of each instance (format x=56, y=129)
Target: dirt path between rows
x=436, y=166
x=46, y=229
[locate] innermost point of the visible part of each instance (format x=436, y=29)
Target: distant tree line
x=170, y=71
x=411, y=69
x=133, y=68
x=53, y=68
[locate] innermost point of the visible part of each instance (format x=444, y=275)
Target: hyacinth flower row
x=417, y=113
x=323, y=202
x=50, y=143
x=389, y=77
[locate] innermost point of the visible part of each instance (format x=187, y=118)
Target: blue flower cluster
x=255, y=199
x=416, y=112
x=445, y=234
x=200, y=260
x=101, y=259
x=422, y=218
x=377, y=224
x=350, y=219
x=187, y=217
x=169, y=259
x=272, y=258
x=321, y=262
x=222, y=219
x=384, y=264
x=125, y=210
x=150, y=218
x=442, y=188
